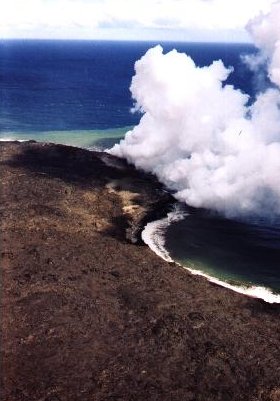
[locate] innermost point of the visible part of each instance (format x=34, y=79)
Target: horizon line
x=126, y=40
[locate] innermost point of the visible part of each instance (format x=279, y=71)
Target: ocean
x=77, y=93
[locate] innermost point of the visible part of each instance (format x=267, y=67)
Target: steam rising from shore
x=200, y=137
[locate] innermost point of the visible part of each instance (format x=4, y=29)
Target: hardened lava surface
x=88, y=313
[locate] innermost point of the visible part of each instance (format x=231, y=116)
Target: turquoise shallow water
x=90, y=139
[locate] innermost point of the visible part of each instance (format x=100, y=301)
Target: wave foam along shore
x=153, y=233
x=154, y=236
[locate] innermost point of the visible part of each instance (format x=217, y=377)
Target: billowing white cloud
x=201, y=138
x=266, y=34
x=85, y=18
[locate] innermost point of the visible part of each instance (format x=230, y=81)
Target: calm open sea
x=77, y=93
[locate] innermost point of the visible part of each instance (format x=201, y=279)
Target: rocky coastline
x=89, y=313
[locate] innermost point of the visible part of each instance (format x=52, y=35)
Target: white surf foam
x=154, y=236
x=6, y=139
x=154, y=232
x=253, y=291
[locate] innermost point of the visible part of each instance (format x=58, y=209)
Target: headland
x=89, y=313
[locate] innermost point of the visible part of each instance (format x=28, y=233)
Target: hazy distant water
x=77, y=93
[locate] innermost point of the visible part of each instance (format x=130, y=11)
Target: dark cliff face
x=89, y=313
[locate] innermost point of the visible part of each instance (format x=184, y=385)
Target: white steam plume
x=265, y=30
x=201, y=138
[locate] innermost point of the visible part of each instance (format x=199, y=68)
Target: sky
x=179, y=20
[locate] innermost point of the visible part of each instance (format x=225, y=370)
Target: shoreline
x=89, y=311
x=153, y=236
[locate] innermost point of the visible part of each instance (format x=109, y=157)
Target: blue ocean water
x=242, y=253
x=77, y=93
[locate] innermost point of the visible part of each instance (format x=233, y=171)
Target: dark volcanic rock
x=88, y=315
